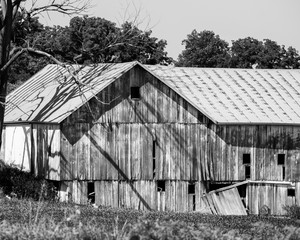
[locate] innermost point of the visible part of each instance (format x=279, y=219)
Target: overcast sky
x=172, y=20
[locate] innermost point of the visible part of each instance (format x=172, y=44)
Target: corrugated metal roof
x=246, y=96
x=51, y=95
x=237, y=96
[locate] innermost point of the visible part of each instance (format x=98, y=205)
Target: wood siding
x=157, y=104
x=46, y=151
x=263, y=143
x=112, y=137
x=270, y=196
x=142, y=194
x=136, y=152
x=33, y=147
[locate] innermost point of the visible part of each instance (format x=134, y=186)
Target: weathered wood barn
x=157, y=137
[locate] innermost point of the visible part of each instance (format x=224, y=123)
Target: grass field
x=26, y=219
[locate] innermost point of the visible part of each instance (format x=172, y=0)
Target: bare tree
x=8, y=13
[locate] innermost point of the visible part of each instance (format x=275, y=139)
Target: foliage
x=22, y=184
x=246, y=52
x=141, y=47
x=291, y=58
x=292, y=211
x=96, y=40
x=25, y=29
x=26, y=219
x=23, y=68
x=205, y=49
x=86, y=40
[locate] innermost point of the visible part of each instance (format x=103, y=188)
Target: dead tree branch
x=68, y=7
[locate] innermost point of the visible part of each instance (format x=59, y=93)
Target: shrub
x=25, y=185
x=293, y=211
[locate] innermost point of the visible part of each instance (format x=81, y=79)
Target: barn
x=225, y=141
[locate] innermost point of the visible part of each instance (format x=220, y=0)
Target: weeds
x=28, y=219
x=292, y=211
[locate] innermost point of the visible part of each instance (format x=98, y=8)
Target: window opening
x=56, y=185
x=135, y=93
x=191, y=192
x=154, y=157
x=281, y=159
x=191, y=188
x=291, y=192
x=194, y=202
x=246, y=158
x=91, y=192
x=242, y=189
x=161, y=186
x=283, y=172
x=247, y=171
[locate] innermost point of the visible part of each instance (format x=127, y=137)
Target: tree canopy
x=205, y=49
x=86, y=40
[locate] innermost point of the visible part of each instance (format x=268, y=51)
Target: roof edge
x=257, y=123
x=29, y=122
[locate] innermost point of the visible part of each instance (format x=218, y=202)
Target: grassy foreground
x=26, y=219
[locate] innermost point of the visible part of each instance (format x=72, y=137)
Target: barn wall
x=126, y=147
x=157, y=104
x=272, y=197
x=2, y=149
x=159, y=136
x=33, y=147
x=136, y=151
x=263, y=143
x=141, y=194
x=46, y=151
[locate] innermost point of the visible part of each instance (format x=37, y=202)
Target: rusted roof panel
x=238, y=96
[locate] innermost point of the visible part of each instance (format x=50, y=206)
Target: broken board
x=225, y=201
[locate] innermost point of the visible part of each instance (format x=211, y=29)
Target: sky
x=173, y=20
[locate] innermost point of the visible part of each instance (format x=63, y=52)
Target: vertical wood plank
x=297, y=193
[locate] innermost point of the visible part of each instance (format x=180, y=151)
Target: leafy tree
x=290, y=58
x=95, y=40
x=25, y=27
x=23, y=68
x=85, y=40
x=90, y=38
x=204, y=49
x=141, y=47
x=55, y=41
x=271, y=56
x=246, y=52
x=249, y=52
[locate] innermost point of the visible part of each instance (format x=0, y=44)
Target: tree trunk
x=3, y=87
x=5, y=40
